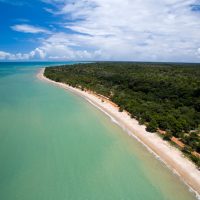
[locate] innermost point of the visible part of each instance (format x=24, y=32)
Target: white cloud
x=25, y=28
x=152, y=30
x=35, y=54
x=164, y=30
x=4, y=55
x=198, y=52
x=9, y=56
x=61, y=46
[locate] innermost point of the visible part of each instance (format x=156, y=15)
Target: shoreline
x=183, y=167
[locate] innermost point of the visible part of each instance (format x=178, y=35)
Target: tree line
x=159, y=95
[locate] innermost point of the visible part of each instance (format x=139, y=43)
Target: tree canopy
x=164, y=96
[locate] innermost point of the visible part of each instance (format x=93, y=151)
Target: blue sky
x=130, y=30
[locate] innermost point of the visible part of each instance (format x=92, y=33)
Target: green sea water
x=56, y=146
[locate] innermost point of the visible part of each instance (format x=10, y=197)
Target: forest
x=163, y=96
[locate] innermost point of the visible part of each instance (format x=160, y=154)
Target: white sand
x=171, y=156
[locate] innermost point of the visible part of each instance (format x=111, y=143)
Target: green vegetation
x=164, y=96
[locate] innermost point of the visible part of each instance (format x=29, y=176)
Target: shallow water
x=56, y=146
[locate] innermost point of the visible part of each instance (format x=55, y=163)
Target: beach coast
x=172, y=157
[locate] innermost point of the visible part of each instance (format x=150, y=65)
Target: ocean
x=54, y=145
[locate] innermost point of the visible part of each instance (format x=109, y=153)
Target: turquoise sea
x=56, y=146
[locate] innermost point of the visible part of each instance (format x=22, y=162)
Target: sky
x=108, y=30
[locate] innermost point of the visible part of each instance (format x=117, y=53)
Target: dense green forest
x=164, y=96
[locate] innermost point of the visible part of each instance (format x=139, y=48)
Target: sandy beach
x=168, y=154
